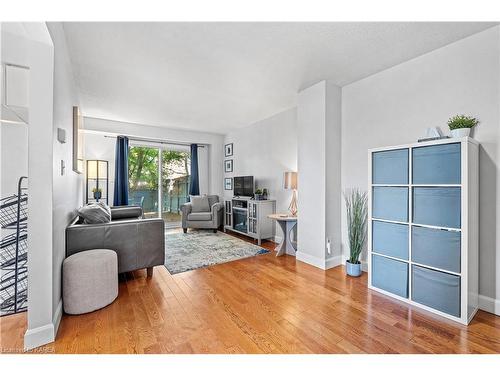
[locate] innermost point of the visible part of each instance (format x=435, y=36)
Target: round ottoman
x=90, y=280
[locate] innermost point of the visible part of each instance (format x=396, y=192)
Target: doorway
x=159, y=180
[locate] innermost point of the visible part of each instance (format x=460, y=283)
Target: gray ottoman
x=90, y=280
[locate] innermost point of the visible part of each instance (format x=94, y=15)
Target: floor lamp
x=290, y=182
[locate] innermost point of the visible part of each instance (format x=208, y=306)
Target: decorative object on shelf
x=290, y=183
x=265, y=194
x=97, y=193
x=228, y=183
x=228, y=150
x=228, y=165
x=461, y=125
x=77, y=141
x=14, y=251
x=258, y=195
x=432, y=134
x=357, y=216
x=97, y=181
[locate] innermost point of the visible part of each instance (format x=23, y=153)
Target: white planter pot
x=459, y=133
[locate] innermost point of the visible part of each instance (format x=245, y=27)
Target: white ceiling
x=216, y=77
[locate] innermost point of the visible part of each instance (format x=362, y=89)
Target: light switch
x=63, y=167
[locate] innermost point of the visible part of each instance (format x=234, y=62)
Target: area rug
x=201, y=248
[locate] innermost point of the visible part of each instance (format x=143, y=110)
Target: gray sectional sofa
x=139, y=243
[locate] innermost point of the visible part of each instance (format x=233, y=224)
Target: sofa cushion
x=200, y=216
x=212, y=199
x=199, y=203
x=95, y=213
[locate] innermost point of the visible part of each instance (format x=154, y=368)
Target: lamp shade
x=97, y=169
x=290, y=180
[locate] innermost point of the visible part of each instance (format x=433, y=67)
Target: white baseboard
x=334, y=261
x=46, y=334
x=312, y=260
x=489, y=304
x=57, y=317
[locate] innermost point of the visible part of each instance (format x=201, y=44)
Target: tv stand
x=249, y=217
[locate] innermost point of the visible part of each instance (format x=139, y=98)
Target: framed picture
x=77, y=141
x=228, y=183
x=228, y=165
x=228, y=149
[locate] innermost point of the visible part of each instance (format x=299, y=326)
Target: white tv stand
x=250, y=217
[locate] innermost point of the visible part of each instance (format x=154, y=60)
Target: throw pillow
x=95, y=213
x=199, y=203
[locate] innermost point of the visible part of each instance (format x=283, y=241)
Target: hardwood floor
x=261, y=304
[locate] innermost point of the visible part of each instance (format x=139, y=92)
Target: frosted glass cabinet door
x=436, y=248
x=436, y=165
x=390, y=239
x=437, y=206
x=435, y=289
x=390, y=275
x=390, y=167
x=390, y=203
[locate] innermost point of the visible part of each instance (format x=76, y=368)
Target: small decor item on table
x=228, y=165
x=290, y=183
x=264, y=194
x=228, y=150
x=258, y=195
x=461, y=125
x=97, y=193
x=356, y=206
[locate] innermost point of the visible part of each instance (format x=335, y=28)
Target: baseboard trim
x=334, y=261
x=46, y=334
x=39, y=336
x=57, y=317
x=489, y=304
x=312, y=260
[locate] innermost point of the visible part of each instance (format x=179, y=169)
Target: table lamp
x=290, y=182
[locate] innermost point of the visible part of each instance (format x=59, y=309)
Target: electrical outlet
x=328, y=247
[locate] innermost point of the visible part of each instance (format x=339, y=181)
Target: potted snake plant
x=357, y=216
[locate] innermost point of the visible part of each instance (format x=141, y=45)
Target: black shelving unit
x=97, y=177
x=14, y=251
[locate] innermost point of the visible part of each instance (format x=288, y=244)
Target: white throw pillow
x=199, y=203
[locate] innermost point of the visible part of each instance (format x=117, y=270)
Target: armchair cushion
x=200, y=216
x=200, y=203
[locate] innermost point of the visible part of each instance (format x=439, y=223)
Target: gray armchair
x=211, y=219
x=139, y=243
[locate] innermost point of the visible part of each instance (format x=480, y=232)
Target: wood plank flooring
x=261, y=304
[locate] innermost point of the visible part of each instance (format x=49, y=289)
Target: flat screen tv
x=243, y=186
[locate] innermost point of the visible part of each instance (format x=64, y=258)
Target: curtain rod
x=160, y=141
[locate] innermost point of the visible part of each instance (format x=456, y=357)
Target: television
x=243, y=186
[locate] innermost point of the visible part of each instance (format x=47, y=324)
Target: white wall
x=396, y=105
x=266, y=150
x=67, y=188
x=96, y=146
x=311, y=125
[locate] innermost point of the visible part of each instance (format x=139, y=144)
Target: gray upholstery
x=126, y=212
x=139, y=243
x=90, y=281
x=203, y=220
x=199, y=203
x=94, y=213
x=196, y=216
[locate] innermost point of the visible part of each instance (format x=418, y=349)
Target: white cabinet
x=250, y=217
x=423, y=225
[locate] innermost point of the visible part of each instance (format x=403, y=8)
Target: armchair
x=204, y=220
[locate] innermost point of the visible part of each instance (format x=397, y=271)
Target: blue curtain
x=194, y=182
x=121, y=172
